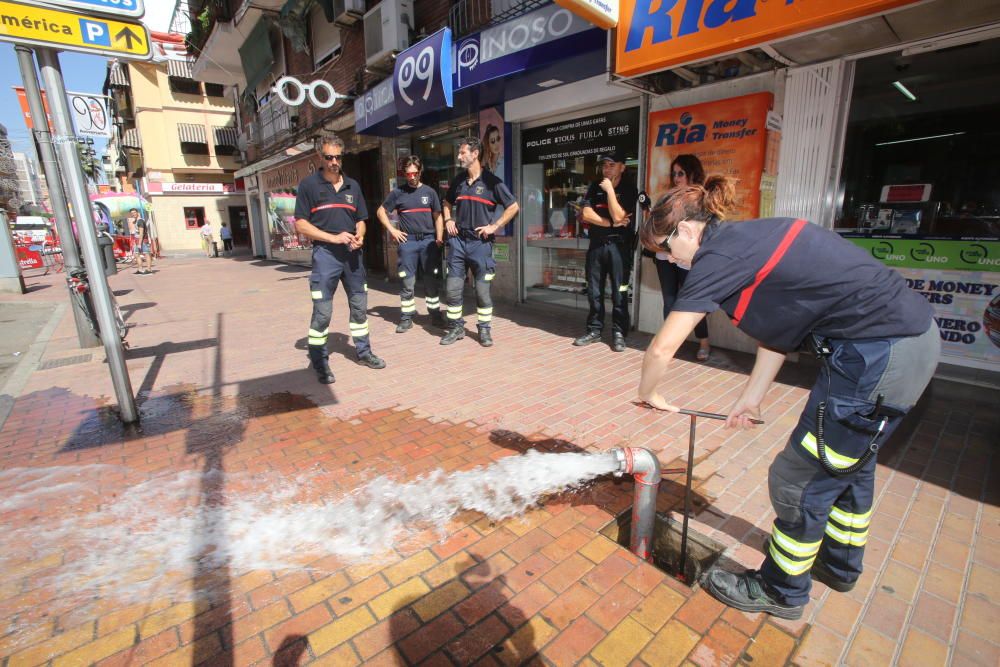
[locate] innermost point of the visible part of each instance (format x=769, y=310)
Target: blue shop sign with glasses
x=422, y=80
x=427, y=74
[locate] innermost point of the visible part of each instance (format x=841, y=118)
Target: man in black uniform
x=475, y=196
x=608, y=208
x=420, y=235
x=330, y=211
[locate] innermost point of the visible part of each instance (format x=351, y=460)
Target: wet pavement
x=150, y=544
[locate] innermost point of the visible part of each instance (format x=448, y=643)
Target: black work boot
x=823, y=574
x=320, y=364
x=437, y=319
x=747, y=592
x=404, y=326
x=618, y=342
x=456, y=332
x=485, y=339
x=587, y=338
x=372, y=361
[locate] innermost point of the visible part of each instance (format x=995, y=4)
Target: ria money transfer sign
x=69, y=31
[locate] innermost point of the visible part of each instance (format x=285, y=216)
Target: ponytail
x=708, y=203
x=720, y=196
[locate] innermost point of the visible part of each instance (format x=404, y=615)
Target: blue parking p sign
x=95, y=32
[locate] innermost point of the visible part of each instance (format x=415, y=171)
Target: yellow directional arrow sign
x=69, y=31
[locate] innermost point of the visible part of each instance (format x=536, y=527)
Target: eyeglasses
x=411, y=174
x=332, y=158
x=679, y=174
x=665, y=244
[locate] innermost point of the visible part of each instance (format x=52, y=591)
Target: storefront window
x=922, y=154
x=280, y=185
x=438, y=151
x=194, y=216
x=559, y=162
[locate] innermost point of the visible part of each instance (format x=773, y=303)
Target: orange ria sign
x=657, y=34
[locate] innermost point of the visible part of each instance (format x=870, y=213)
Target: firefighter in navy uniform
x=420, y=236
x=608, y=209
x=469, y=209
x=330, y=211
x=785, y=282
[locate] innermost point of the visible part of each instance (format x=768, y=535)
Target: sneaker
x=618, y=342
x=485, y=339
x=587, y=338
x=455, y=333
x=823, y=574
x=746, y=592
x=372, y=361
x=404, y=326
x=324, y=374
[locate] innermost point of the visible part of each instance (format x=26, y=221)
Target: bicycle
x=79, y=288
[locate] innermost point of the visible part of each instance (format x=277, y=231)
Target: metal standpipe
x=644, y=467
x=50, y=166
x=65, y=142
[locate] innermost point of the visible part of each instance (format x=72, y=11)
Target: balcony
x=272, y=124
x=467, y=16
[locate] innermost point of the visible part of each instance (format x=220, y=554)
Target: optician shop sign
x=654, y=35
x=422, y=80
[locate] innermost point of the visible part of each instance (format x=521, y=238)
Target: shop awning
x=191, y=134
x=117, y=75
x=256, y=54
x=181, y=68
x=225, y=136
x=130, y=138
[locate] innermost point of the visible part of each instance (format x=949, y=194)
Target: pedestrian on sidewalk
x=420, y=236
x=473, y=198
x=207, y=239
x=226, y=234
x=785, y=282
x=142, y=249
x=608, y=208
x=330, y=211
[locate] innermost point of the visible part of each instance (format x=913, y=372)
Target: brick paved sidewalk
x=218, y=360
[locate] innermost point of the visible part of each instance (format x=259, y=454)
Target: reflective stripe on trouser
x=423, y=256
x=466, y=255
x=607, y=263
x=819, y=515
x=333, y=265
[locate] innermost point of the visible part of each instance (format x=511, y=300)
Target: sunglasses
x=665, y=244
x=332, y=158
x=679, y=174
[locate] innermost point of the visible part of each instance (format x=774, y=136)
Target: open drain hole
x=702, y=551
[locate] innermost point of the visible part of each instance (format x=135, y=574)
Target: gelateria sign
x=961, y=281
x=655, y=35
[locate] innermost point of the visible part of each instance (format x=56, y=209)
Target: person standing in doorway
x=473, y=198
x=142, y=248
x=330, y=211
x=685, y=170
x=608, y=207
x=420, y=235
x=226, y=234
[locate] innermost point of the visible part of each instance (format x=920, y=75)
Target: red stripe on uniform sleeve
x=325, y=206
x=415, y=210
x=478, y=199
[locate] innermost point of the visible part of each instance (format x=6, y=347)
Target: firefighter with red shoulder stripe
x=330, y=211
x=474, y=198
x=786, y=282
x=420, y=235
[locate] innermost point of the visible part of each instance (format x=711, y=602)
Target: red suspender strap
x=779, y=252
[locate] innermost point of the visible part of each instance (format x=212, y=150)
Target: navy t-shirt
x=415, y=207
x=474, y=204
x=596, y=198
x=333, y=211
x=823, y=284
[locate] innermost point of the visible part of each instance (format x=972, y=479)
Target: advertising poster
x=492, y=136
x=89, y=112
x=727, y=137
x=961, y=280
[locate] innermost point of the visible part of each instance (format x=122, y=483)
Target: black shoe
x=371, y=361
x=437, y=319
x=746, y=592
x=821, y=573
x=324, y=375
x=455, y=333
x=587, y=338
x=404, y=326
x=618, y=342
x=485, y=339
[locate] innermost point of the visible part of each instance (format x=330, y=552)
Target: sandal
x=702, y=354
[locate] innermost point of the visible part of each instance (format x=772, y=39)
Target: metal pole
x=71, y=258
x=65, y=140
x=687, y=498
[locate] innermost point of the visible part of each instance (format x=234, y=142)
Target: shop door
x=239, y=223
x=365, y=169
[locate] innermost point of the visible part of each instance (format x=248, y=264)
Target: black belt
x=471, y=235
x=418, y=236
x=607, y=240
